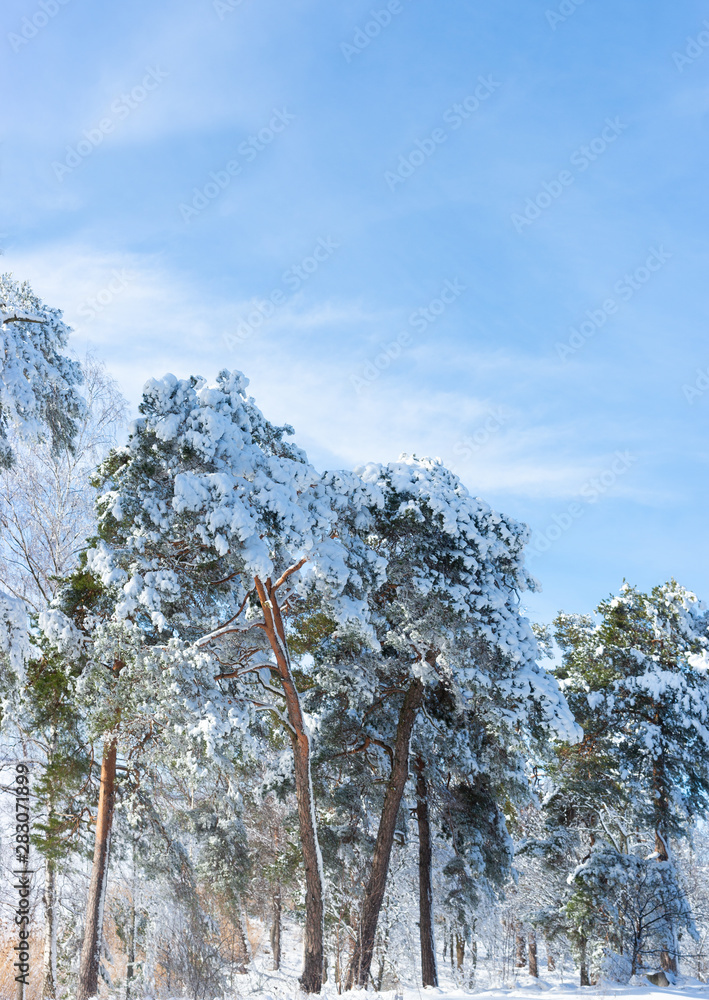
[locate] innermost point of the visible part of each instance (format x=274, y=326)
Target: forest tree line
x=249, y=689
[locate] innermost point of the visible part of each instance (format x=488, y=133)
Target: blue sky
x=470, y=230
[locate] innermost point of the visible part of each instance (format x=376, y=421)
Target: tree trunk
x=361, y=961
x=661, y=846
x=520, y=947
x=49, y=972
x=311, y=979
x=338, y=963
x=429, y=972
x=473, y=962
x=583, y=971
x=91, y=948
x=532, y=952
x=459, y=952
x=380, y=974
x=668, y=958
x=276, y=927
x=551, y=963
x=130, y=966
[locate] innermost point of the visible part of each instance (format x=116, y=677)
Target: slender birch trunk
x=91, y=948
x=429, y=972
x=311, y=979
x=361, y=960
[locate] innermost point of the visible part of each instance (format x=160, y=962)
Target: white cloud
x=145, y=321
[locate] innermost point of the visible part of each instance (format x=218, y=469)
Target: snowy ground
x=275, y=986
x=263, y=984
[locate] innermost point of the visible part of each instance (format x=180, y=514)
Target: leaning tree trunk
x=532, y=953
x=361, y=960
x=429, y=972
x=311, y=979
x=91, y=948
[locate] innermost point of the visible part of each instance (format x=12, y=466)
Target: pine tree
x=212, y=528
x=637, y=681
x=446, y=617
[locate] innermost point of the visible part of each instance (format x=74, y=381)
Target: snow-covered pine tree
x=212, y=528
x=38, y=382
x=447, y=615
x=637, y=680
